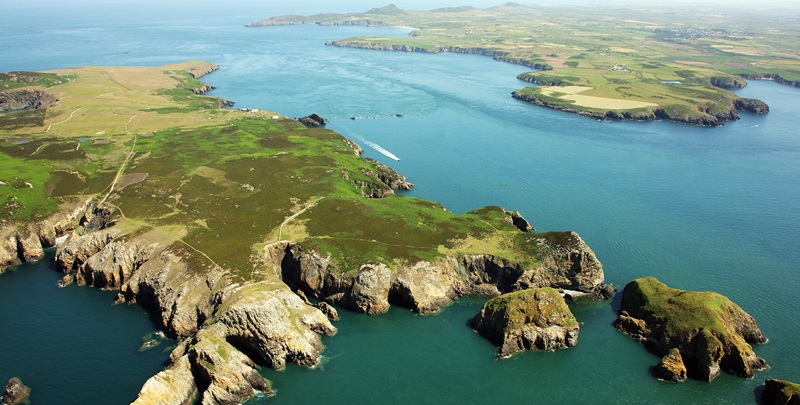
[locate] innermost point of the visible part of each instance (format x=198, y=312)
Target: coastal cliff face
x=534, y=319
x=565, y=262
x=25, y=243
x=227, y=329
x=502, y=56
x=26, y=99
x=777, y=392
x=711, y=115
x=710, y=332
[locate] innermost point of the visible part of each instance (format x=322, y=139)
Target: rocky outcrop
x=777, y=392
x=516, y=219
x=535, y=319
x=226, y=330
x=389, y=176
x=25, y=243
x=710, y=332
x=266, y=321
x=26, y=99
x=728, y=82
x=77, y=250
x=313, y=121
x=112, y=266
x=565, y=261
x=15, y=393
x=770, y=76
x=671, y=367
x=751, y=105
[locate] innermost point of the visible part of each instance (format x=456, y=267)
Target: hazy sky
x=86, y=10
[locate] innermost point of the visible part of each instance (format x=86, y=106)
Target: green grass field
x=217, y=185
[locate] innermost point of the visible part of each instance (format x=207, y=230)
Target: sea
x=699, y=208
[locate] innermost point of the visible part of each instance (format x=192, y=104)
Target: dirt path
x=280, y=230
x=61, y=122
x=120, y=171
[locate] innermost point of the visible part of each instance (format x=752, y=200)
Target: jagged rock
x=329, y=311
x=516, y=219
x=390, y=177
x=423, y=287
x=26, y=99
x=15, y=392
x=370, y=290
x=175, y=385
x=709, y=330
x=77, y=251
x=229, y=375
x=29, y=246
x=752, y=105
x=9, y=254
x=274, y=324
x=671, y=367
x=356, y=149
x=114, y=265
x=536, y=319
x=566, y=262
x=777, y=392
x=180, y=298
x=313, y=121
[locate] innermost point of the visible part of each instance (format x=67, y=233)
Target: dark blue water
x=699, y=208
x=72, y=345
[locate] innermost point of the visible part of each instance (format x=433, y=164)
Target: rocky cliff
x=710, y=332
x=24, y=243
x=777, y=392
x=226, y=329
x=502, y=56
x=534, y=319
x=711, y=115
x=26, y=99
x=565, y=262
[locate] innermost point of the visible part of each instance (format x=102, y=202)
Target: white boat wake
x=380, y=149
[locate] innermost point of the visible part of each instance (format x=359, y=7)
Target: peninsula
x=636, y=63
x=221, y=223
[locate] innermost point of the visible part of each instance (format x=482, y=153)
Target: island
x=225, y=224
x=698, y=333
x=607, y=63
x=531, y=319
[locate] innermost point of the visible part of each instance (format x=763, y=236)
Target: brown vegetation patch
x=132, y=178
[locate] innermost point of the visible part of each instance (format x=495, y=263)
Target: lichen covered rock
x=536, y=319
x=711, y=332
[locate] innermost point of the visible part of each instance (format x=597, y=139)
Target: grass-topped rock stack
x=535, y=319
x=710, y=332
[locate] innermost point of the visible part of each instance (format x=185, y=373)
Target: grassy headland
x=633, y=63
x=142, y=140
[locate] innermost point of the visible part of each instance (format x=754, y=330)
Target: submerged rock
x=15, y=392
x=777, y=392
x=710, y=332
x=536, y=319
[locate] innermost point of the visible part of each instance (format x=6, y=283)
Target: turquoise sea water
x=699, y=208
